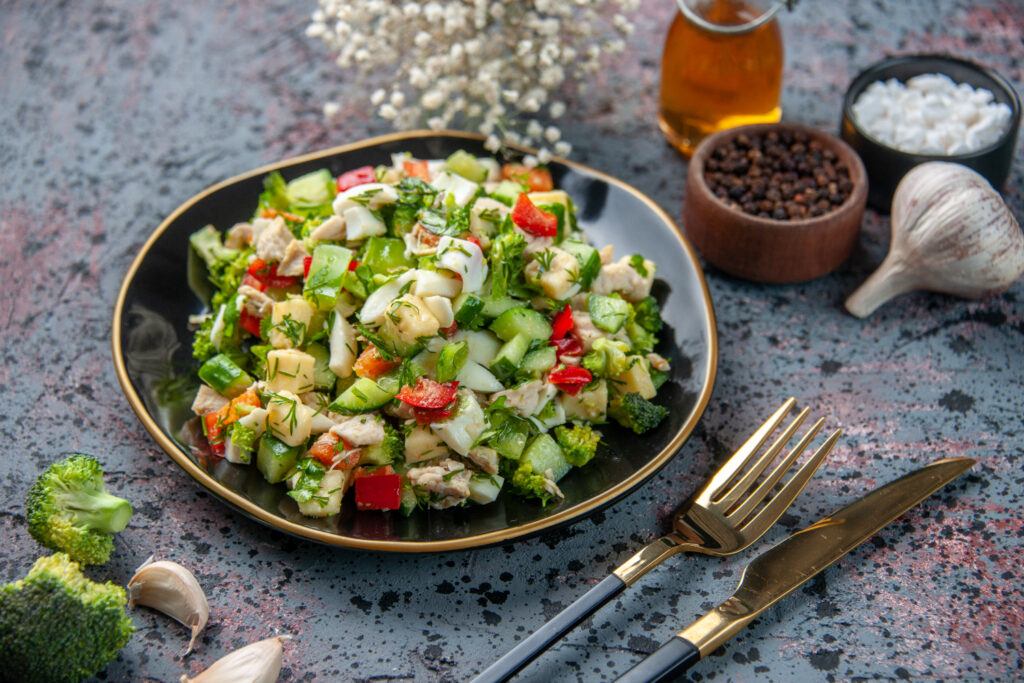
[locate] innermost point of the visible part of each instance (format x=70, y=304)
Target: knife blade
x=779, y=571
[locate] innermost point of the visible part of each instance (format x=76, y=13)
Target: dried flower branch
x=490, y=66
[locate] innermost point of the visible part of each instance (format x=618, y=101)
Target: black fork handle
x=528, y=650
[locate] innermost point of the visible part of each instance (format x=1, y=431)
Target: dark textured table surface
x=114, y=112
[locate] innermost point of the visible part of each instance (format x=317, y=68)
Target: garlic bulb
x=259, y=662
x=170, y=588
x=951, y=233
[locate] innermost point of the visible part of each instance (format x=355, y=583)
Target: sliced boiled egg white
x=464, y=258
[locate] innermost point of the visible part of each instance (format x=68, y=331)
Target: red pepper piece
x=416, y=169
x=569, y=346
x=372, y=471
x=450, y=331
x=570, y=378
x=425, y=416
x=213, y=427
x=253, y=282
x=537, y=179
x=353, y=264
x=357, y=176
x=562, y=323
x=381, y=492
x=267, y=274
x=273, y=213
x=429, y=394
x=249, y=323
x=306, y=263
x=533, y=220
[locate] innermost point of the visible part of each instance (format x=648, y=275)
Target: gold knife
x=777, y=572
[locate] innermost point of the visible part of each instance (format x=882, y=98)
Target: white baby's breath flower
x=530, y=161
x=486, y=65
x=544, y=155
x=331, y=109
x=492, y=144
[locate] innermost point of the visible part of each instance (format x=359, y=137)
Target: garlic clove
x=172, y=589
x=259, y=662
x=951, y=233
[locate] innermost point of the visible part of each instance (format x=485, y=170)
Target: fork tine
x=739, y=459
x=766, y=486
x=746, y=482
x=777, y=505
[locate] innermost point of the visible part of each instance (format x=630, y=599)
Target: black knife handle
x=528, y=650
x=665, y=663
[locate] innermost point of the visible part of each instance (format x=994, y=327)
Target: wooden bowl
x=766, y=250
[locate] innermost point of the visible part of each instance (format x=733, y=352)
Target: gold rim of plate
x=490, y=538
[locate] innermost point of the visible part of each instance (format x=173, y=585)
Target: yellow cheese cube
x=290, y=320
x=290, y=370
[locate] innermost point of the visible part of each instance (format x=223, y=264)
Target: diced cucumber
x=363, y=396
x=495, y=306
x=467, y=166
x=587, y=256
x=450, y=360
x=275, y=459
x=467, y=308
x=374, y=454
x=326, y=275
x=511, y=433
x=224, y=376
x=386, y=256
x=608, y=313
x=484, y=488
x=311, y=189
x=478, y=378
x=545, y=454
x=506, y=362
x=323, y=378
x=507, y=192
x=483, y=345
x=407, y=503
x=521, y=321
x=537, y=362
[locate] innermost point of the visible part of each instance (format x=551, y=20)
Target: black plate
x=152, y=354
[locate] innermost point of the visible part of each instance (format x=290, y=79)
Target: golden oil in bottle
x=711, y=81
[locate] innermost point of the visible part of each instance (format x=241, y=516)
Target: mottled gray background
x=114, y=112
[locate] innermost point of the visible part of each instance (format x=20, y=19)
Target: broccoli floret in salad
x=418, y=299
x=636, y=413
x=607, y=358
x=529, y=484
x=579, y=443
x=69, y=509
x=242, y=436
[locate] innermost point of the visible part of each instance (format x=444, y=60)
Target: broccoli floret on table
x=56, y=625
x=636, y=413
x=69, y=509
x=579, y=443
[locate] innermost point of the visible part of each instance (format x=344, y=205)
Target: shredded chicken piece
x=332, y=229
x=605, y=253
x=207, y=400
x=365, y=430
x=256, y=302
x=550, y=486
x=273, y=242
x=622, y=277
x=239, y=236
x=293, y=262
x=585, y=330
x=657, y=362
x=524, y=399
x=485, y=458
x=443, y=485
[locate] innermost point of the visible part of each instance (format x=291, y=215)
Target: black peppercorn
x=780, y=175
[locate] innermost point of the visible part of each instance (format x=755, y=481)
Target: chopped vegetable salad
x=425, y=333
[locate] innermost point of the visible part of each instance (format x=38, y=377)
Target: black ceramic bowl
x=886, y=165
x=166, y=283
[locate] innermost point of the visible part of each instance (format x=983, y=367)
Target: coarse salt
x=931, y=114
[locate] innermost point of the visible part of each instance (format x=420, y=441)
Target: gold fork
x=723, y=518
